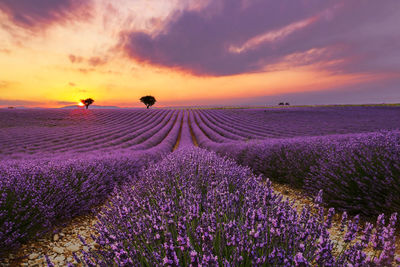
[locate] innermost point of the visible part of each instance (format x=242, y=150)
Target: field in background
x=41, y=132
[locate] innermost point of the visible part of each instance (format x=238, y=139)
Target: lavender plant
x=66, y=162
x=196, y=208
x=361, y=175
x=358, y=172
x=36, y=195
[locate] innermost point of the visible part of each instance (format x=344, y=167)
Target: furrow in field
x=76, y=135
x=219, y=130
x=127, y=134
x=179, y=136
x=211, y=134
x=166, y=143
x=155, y=137
x=185, y=137
x=119, y=130
x=244, y=124
x=145, y=134
x=234, y=126
x=201, y=137
x=190, y=121
x=86, y=140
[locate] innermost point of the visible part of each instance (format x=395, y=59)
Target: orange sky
x=60, y=63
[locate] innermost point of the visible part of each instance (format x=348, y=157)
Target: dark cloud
x=40, y=13
x=231, y=37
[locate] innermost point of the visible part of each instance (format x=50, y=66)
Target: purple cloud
x=36, y=14
x=231, y=37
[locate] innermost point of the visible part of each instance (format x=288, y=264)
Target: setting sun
x=80, y=104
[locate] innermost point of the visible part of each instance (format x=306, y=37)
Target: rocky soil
x=58, y=246
x=300, y=199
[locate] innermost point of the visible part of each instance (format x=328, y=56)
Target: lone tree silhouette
x=87, y=102
x=148, y=100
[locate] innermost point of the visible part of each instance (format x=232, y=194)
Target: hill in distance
x=90, y=107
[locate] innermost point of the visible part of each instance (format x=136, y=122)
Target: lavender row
x=152, y=138
x=35, y=195
x=311, y=121
x=185, y=137
x=85, y=135
x=48, y=131
x=170, y=138
x=92, y=139
x=216, y=127
x=120, y=134
x=210, y=132
x=195, y=208
x=75, y=125
x=228, y=123
x=203, y=138
x=359, y=173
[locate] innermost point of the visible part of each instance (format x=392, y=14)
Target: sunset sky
x=199, y=52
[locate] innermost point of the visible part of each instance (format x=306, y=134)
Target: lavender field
x=190, y=187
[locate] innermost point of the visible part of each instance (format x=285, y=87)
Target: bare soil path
x=59, y=245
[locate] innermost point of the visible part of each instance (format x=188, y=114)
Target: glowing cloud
x=271, y=36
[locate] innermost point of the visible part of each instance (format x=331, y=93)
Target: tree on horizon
x=87, y=102
x=148, y=100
